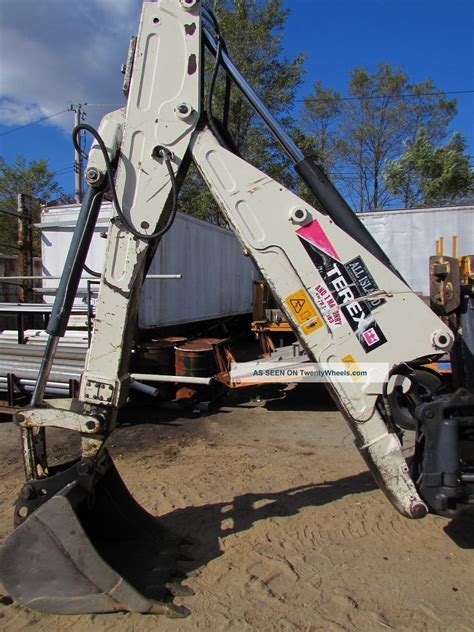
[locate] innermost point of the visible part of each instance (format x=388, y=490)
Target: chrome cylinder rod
x=45, y=370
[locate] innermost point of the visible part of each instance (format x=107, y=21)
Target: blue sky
x=53, y=53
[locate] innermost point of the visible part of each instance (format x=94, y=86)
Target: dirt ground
x=290, y=531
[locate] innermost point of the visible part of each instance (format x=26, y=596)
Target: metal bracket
x=444, y=285
x=59, y=417
x=444, y=453
x=99, y=392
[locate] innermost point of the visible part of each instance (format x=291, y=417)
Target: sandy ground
x=290, y=532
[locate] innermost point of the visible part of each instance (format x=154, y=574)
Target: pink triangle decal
x=317, y=237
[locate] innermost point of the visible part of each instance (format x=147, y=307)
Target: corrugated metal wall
x=217, y=278
x=409, y=237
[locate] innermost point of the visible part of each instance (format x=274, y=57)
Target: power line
x=40, y=120
x=390, y=96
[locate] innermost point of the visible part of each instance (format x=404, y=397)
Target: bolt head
x=188, y=4
x=28, y=492
x=93, y=176
x=83, y=469
x=183, y=110
x=90, y=424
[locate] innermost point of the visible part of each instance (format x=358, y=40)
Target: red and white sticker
x=314, y=234
x=371, y=337
x=328, y=306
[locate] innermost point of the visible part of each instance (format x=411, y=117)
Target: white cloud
x=57, y=52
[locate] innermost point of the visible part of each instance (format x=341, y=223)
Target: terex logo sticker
x=347, y=284
x=364, y=280
x=357, y=312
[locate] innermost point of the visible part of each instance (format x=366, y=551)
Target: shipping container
x=408, y=236
x=217, y=279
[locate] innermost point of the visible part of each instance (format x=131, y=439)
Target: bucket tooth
x=87, y=548
x=179, y=590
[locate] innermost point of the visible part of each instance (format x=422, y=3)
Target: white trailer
x=408, y=236
x=217, y=279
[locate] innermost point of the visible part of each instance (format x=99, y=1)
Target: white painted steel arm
x=163, y=109
x=344, y=304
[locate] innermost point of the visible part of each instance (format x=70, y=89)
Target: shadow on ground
x=300, y=397
x=149, y=558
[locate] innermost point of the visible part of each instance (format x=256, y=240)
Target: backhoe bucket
x=90, y=547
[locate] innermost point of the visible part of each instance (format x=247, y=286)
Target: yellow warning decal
x=351, y=365
x=304, y=311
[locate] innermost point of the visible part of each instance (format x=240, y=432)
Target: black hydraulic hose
x=339, y=210
x=92, y=272
x=75, y=260
x=210, y=94
x=163, y=153
x=330, y=200
x=221, y=46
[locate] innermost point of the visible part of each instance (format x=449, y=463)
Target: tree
x=252, y=30
x=33, y=178
x=382, y=111
x=426, y=174
x=319, y=115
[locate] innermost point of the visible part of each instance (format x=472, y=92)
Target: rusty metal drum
x=195, y=359
x=158, y=356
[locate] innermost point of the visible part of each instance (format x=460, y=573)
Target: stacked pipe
x=39, y=337
x=24, y=361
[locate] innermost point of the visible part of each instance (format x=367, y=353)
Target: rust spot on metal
x=192, y=64
x=190, y=29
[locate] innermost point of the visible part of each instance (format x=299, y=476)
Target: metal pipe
x=50, y=390
x=75, y=260
x=58, y=374
x=45, y=369
x=35, y=351
x=286, y=142
x=144, y=388
x=180, y=379
x=57, y=278
x=26, y=382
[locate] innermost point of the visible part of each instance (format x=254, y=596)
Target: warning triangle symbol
x=297, y=304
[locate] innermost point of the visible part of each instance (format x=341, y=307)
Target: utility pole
x=79, y=116
x=25, y=246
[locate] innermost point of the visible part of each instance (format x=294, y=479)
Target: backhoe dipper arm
x=303, y=255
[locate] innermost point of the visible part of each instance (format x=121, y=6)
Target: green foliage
x=318, y=118
x=426, y=174
x=33, y=178
x=357, y=136
x=253, y=31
